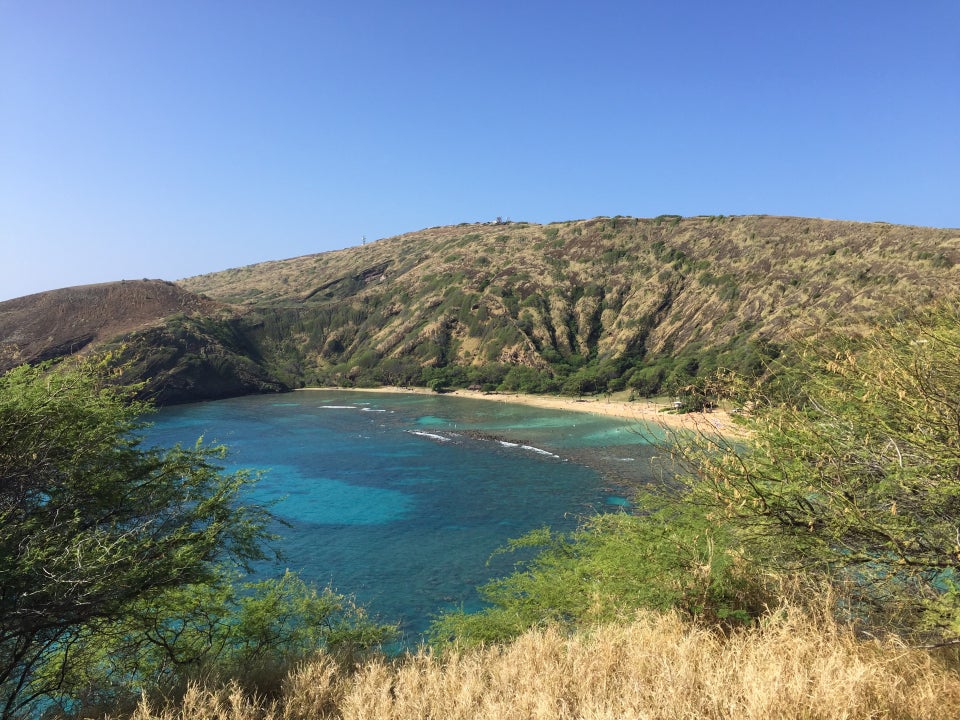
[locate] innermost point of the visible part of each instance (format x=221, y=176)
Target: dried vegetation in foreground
x=655, y=666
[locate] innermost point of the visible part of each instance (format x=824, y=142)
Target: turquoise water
x=400, y=499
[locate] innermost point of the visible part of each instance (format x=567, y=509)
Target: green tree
x=852, y=470
x=98, y=532
x=647, y=381
x=251, y=634
x=525, y=379
x=90, y=521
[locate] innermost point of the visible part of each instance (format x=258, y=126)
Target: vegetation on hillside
x=591, y=306
x=191, y=358
x=649, y=306
x=61, y=322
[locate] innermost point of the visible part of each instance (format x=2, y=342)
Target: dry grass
x=606, y=287
x=655, y=666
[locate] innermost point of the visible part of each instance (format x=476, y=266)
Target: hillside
x=65, y=321
x=586, y=305
x=142, y=318
x=580, y=306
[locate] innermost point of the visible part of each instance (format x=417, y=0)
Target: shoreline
x=646, y=411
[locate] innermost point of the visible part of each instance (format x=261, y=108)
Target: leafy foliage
x=114, y=558
x=612, y=565
x=853, y=470
x=251, y=634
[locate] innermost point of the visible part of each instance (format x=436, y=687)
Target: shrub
x=116, y=561
x=670, y=557
x=853, y=469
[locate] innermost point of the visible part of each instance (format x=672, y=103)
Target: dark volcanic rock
x=194, y=359
x=180, y=345
x=62, y=322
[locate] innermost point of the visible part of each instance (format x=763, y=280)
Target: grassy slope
x=654, y=666
x=58, y=322
x=607, y=303
x=584, y=291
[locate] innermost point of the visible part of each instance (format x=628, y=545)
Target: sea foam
x=432, y=436
x=539, y=451
x=528, y=448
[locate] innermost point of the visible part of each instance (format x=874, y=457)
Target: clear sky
x=168, y=138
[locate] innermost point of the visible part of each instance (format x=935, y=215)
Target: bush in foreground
x=667, y=557
x=852, y=472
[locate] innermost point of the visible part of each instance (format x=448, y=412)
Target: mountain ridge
x=575, y=306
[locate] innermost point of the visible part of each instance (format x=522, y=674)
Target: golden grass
x=655, y=666
x=651, y=291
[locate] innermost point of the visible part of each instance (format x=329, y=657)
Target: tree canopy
x=112, y=553
x=852, y=470
x=665, y=557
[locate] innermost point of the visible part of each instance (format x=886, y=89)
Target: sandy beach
x=657, y=413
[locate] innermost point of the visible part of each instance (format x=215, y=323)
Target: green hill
x=579, y=306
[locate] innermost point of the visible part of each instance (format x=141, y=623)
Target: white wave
x=539, y=451
x=529, y=448
x=432, y=436
x=337, y=407
x=370, y=409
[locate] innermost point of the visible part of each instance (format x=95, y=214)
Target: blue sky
x=176, y=137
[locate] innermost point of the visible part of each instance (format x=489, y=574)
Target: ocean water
x=399, y=499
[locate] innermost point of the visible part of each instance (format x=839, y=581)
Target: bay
x=400, y=499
